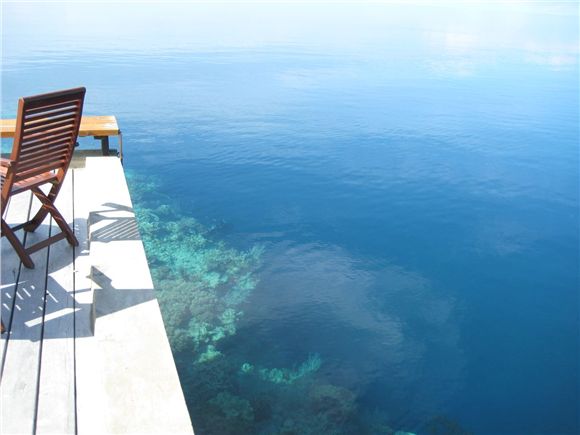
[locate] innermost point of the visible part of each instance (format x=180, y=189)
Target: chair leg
x=39, y=217
x=35, y=222
x=49, y=207
x=18, y=247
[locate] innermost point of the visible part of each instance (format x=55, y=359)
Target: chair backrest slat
x=61, y=110
x=33, y=112
x=49, y=123
x=45, y=141
x=33, y=137
x=41, y=160
x=39, y=170
x=46, y=132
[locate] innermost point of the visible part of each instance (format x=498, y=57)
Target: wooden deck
x=86, y=349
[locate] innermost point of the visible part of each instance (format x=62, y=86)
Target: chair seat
x=27, y=183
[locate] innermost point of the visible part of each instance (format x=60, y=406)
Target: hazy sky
x=137, y=25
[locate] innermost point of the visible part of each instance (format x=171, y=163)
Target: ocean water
x=360, y=218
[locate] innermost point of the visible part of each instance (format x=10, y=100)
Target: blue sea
x=361, y=218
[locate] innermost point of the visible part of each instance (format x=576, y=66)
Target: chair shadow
x=112, y=227
x=51, y=311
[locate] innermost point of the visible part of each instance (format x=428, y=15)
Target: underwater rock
x=247, y=368
x=374, y=422
x=205, y=381
x=443, y=425
x=233, y=407
x=209, y=354
x=303, y=423
x=336, y=403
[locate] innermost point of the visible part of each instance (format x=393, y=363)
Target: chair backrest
x=47, y=127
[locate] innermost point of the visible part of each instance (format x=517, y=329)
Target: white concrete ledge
x=139, y=387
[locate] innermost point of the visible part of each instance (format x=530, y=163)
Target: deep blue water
x=404, y=179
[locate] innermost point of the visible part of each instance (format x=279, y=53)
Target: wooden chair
x=47, y=127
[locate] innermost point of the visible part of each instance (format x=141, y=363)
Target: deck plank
x=56, y=404
x=90, y=398
x=16, y=212
x=21, y=366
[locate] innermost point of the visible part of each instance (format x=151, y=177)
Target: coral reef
x=200, y=282
x=233, y=407
x=336, y=403
x=285, y=375
x=202, y=285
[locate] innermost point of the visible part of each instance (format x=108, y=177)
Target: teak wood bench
x=100, y=127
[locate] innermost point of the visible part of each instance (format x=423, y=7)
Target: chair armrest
x=5, y=165
x=5, y=162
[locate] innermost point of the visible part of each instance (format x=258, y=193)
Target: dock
x=85, y=349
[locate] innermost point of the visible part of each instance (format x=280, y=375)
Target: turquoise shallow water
x=359, y=218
